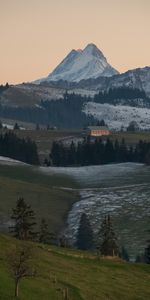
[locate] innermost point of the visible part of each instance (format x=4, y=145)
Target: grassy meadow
x=41, y=191
x=84, y=275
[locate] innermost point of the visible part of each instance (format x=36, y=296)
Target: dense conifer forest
x=98, y=152
x=123, y=95
x=21, y=149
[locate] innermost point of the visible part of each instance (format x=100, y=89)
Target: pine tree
x=85, y=240
x=23, y=218
x=123, y=151
x=72, y=154
x=44, y=235
x=107, y=245
x=16, y=126
x=56, y=153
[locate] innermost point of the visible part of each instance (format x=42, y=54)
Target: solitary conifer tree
x=16, y=126
x=85, y=239
x=23, y=218
x=45, y=236
x=107, y=245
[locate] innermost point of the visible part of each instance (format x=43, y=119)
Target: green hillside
x=85, y=276
x=41, y=191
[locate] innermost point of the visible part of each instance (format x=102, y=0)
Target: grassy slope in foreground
x=41, y=191
x=86, y=277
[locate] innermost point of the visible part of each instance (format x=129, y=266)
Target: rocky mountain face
x=81, y=64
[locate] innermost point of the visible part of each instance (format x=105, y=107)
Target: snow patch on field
x=118, y=116
x=94, y=175
x=10, y=161
x=122, y=190
x=128, y=206
x=11, y=127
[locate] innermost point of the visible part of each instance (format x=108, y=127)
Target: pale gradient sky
x=35, y=35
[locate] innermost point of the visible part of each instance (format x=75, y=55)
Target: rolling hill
x=84, y=275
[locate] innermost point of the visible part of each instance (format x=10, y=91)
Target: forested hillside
x=20, y=149
x=69, y=111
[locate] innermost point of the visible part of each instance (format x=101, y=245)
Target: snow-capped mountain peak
x=92, y=49
x=81, y=64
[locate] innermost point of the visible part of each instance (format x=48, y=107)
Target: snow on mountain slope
x=81, y=64
x=118, y=116
x=31, y=94
x=137, y=78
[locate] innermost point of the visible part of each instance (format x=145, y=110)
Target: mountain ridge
x=135, y=78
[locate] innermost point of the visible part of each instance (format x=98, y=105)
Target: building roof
x=98, y=128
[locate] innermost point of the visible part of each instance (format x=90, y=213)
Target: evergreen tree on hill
x=85, y=240
x=107, y=244
x=72, y=154
x=45, y=236
x=109, y=154
x=123, y=151
x=23, y=218
x=16, y=126
x=101, y=123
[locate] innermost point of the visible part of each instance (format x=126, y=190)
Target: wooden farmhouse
x=97, y=131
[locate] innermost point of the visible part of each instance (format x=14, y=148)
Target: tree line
x=98, y=152
x=125, y=95
x=105, y=241
x=21, y=149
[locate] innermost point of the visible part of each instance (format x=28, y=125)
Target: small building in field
x=97, y=131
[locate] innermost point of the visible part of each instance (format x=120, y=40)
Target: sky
x=35, y=35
